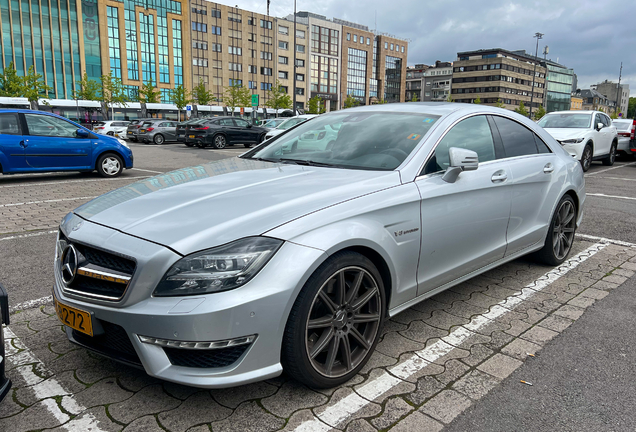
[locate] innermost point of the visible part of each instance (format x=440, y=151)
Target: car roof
x=576, y=112
x=620, y=120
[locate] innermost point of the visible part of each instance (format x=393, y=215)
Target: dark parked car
x=157, y=131
x=36, y=141
x=181, y=129
x=133, y=129
x=220, y=132
x=5, y=383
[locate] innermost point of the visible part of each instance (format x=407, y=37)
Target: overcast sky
x=592, y=37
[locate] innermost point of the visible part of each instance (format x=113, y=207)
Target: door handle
x=23, y=144
x=548, y=168
x=499, y=177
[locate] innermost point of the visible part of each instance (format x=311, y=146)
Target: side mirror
x=81, y=133
x=460, y=160
x=599, y=126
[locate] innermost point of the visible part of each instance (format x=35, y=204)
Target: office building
x=498, y=75
x=611, y=90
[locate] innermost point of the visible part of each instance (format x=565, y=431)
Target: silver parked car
x=157, y=131
x=292, y=258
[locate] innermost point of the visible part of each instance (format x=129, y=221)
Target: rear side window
x=517, y=139
x=9, y=124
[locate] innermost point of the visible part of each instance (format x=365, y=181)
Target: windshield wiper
x=305, y=162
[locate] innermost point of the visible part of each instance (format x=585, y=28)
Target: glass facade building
x=357, y=74
x=558, y=88
x=393, y=80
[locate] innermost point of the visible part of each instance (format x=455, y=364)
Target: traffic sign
x=188, y=107
x=254, y=100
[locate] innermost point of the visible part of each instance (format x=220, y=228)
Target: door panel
x=231, y=131
x=12, y=142
x=245, y=133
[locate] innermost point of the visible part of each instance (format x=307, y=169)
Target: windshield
x=362, y=140
x=273, y=123
x=290, y=123
x=622, y=125
x=576, y=121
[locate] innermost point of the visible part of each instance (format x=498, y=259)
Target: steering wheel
x=396, y=153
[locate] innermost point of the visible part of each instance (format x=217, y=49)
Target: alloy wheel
x=587, y=158
x=563, y=232
x=343, y=322
x=219, y=141
x=110, y=166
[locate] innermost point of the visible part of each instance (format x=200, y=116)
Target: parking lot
x=434, y=362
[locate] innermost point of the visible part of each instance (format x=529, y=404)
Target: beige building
x=576, y=103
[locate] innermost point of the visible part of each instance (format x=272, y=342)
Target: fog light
x=198, y=345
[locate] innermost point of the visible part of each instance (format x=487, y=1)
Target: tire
x=159, y=139
x=133, y=139
x=219, y=141
x=110, y=165
x=559, y=234
x=110, y=133
x=332, y=312
x=611, y=157
x=189, y=144
x=586, y=157
x=247, y=145
x=262, y=138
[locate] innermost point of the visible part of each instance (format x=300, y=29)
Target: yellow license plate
x=142, y=131
x=191, y=136
x=129, y=132
x=74, y=318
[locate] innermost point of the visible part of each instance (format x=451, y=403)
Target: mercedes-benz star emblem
x=68, y=263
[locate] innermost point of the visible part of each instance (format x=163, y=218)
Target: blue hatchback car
x=36, y=141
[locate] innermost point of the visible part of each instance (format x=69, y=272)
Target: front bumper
x=258, y=308
x=575, y=149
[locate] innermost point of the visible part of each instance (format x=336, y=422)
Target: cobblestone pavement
x=433, y=361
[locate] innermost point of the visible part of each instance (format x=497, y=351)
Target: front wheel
x=110, y=165
x=189, y=144
x=336, y=321
x=586, y=158
x=611, y=157
x=560, y=237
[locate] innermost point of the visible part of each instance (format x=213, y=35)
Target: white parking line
x=333, y=416
x=47, y=389
x=69, y=181
x=31, y=304
x=46, y=201
x=617, y=178
x=609, y=169
x=610, y=196
x=606, y=240
x=27, y=235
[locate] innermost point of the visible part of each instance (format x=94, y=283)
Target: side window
x=226, y=122
x=606, y=120
x=517, y=139
x=597, y=120
x=43, y=125
x=9, y=124
x=541, y=146
x=471, y=134
x=165, y=124
x=240, y=123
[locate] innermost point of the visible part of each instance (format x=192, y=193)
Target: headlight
x=122, y=142
x=219, y=269
x=572, y=141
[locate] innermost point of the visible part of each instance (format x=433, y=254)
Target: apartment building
x=437, y=82
x=415, y=81
x=611, y=90
x=594, y=100
x=498, y=74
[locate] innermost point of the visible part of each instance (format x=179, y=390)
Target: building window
x=284, y=89
x=234, y=50
x=391, y=47
x=324, y=74
x=199, y=11
x=368, y=41
x=283, y=30
x=266, y=86
x=356, y=74
x=237, y=34
x=113, y=41
x=216, y=47
x=253, y=53
x=200, y=27
x=148, y=50
x=266, y=24
x=266, y=40
x=355, y=38
x=215, y=30
x=215, y=13
x=300, y=63
x=324, y=40
x=402, y=48
x=252, y=84
x=300, y=34
x=283, y=45
x=300, y=48
x=386, y=45
x=300, y=77
x=252, y=69
x=283, y=75
x=251, y=21
x=231, y=16
x=199, y=62
x=266, y=71
x=237, y=67
x=266, y=55
x=361, y=39
x=236, y=82
x=348, y=36
x=283, y=60
x=217, y=64
x=300, y=91
x=200, y=45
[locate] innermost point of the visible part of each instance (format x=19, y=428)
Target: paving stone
x=360, y=425
x=427, y=387
x=418, y=422
x=446, y=406
x=483, y=281
x=480, y=300
x=478, y=353
x=144, y=424
x=392, y=326
x=534, y=316
x=376, y=360
x=21, y=329
x=149, y=400
x=432, y=354
x=8, y=407
x=500, y=292
x=94, y=374
x=443, y=320
x=500, y=366
x=428, y=306
x=421, y=332
x=453, y=369
x=582, y=302
x=629, y=266
x=450, y=297
x=594, y=293
x=369, y=410
x=291, y=397
x=615, y=279
x=520, y=348
x=604, y=285
x=357, y=379
x=539, y=335
x=35, y=417
x=46, y=389
x=393, y=344
x=623, y=272
x=249, y=417
x=410, y=315
x=394, y=409
x=298, y=418
x=476, y=384
x=96, y=416
x=197, y=409
x=179, y=391
x=555, y=323
x=132, y=379
x=517, y=327
x=465, y=310
x=62, y=347
x=401, y=388
x=568, y=311
x=200, y=428
x=234, y=396
x=498, y=339
x=103, y=392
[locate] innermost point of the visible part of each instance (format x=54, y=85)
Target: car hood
x=212, y=204
x=566, y=133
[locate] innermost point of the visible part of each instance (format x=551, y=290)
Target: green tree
x=500, y=104
x=180, y=97
x=315, y=105
x=237, y=96
x=540, y=112
x=450, y=98
x=113, y=92
x=351, y=102
x=522, y=110
x=631, y=108
x=10, y=82
x=614, y=116
x=149, y=93
x=278, y=98
x=414, y=98
x=33, y=87
x=201, y=95
x=477, y=101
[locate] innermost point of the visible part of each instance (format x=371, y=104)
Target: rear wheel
x=189, y=144
x=220, y=142
x=611, y=157
x=586, y=158
x=110, y=165
x=336, y=321
x=560, y=237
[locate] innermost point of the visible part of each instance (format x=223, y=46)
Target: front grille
x=114, y=343
x=214, y=358
x=104, y=261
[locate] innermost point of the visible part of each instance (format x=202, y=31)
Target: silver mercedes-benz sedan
x=294, y=254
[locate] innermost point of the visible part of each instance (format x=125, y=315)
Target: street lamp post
x=536, y=52
x=294, y=68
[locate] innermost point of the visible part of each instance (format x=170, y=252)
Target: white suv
x=586, y=135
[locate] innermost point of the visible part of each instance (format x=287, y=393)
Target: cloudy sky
x=592, y=37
